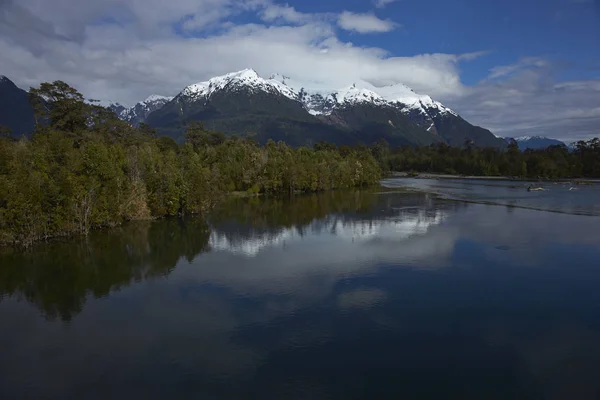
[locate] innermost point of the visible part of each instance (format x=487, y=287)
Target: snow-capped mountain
x=301, y=113
x=140, y=112
x=317, y=102
x=536, y=142
x=246, y=79
x=389, y=111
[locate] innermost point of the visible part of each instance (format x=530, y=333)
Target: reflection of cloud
x=362, y=298
x=229, y=311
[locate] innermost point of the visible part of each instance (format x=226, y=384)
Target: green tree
x=62, y=105
x=4, y=131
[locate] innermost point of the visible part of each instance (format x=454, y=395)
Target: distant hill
x=15, y=111
x=536, y=142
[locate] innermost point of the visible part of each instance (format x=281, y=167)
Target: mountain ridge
x=330, y=107
x=243, y=103
x=536, y=142
x=140, y=111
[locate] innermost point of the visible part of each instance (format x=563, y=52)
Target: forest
x=553, y=162
x=84, y=169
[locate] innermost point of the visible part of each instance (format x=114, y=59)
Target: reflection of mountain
x=400, y=227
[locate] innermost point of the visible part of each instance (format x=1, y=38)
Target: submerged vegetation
x=84, y=169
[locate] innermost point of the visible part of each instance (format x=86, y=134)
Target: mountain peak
x=104, y=103
x=156, y=97
x=524, y=138
x=246, y=78
x=5, y=80
x=353, y=94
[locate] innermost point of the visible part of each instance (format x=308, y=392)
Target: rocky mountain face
x=536, y=142
x=139, y=112
x=15, y=111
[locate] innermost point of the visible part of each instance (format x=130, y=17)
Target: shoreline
x=427, y=175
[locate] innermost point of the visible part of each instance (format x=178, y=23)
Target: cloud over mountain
x=124, y=50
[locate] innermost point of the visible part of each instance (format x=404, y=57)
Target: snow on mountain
x=155, y=97
x=105, y=103
x=316, y=97
x=139, y=112
x=247, y=78
x=324, y=102
x=402, y=94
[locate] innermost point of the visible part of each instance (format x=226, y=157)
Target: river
x=476, y=290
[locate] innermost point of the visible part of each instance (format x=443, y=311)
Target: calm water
x=566, y=197
x=346, y=295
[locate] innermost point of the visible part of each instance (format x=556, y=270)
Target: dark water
x=346, y=295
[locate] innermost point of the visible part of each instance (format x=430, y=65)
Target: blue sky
x=564, y=31
x=516, y=67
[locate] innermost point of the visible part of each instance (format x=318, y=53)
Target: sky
x=516, y=67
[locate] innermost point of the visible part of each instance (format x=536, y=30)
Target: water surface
x=344, y=295
x=564, y=197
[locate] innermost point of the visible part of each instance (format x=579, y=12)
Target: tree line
x=84, y=169
x=550, y=163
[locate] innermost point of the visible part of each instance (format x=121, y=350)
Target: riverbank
x=489, y=178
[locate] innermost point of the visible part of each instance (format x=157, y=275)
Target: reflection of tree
x=57, y=277
x=243, y=220
x=298, y=211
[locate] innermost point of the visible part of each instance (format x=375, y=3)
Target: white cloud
x=530, y=102
x=125, y=50
x=364, y=23
x=141, y=54
x=383, y=3
x=524, y=63
x=278, y=13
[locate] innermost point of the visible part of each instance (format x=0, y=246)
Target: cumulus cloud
x=128, y=52
x=125, y=50
x=525, y=99
x=364, y=23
